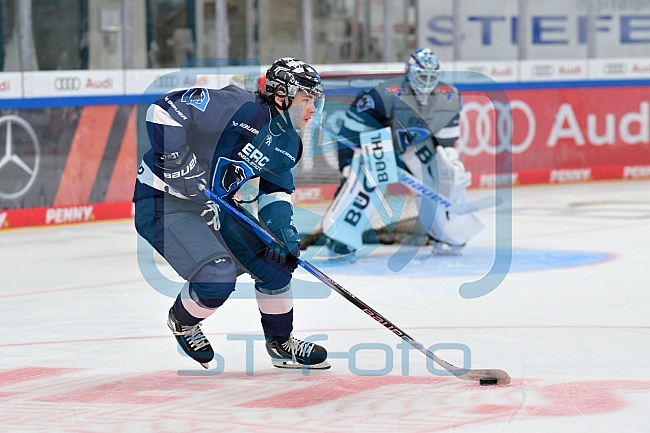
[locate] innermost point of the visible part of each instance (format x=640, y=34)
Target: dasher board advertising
x=490, y=29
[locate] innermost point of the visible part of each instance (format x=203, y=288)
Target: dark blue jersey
x=225, y=136
x=393, y=104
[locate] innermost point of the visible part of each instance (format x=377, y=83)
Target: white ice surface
x=84, y=345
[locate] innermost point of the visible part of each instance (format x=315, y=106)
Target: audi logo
x=482, y=128
x=67, y=83
x=542, y=70
x=167, y=81
x=478, y=69
x=614, y=68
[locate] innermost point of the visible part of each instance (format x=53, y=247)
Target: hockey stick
x=458, y=208
x=414, y=183
x=483, y=376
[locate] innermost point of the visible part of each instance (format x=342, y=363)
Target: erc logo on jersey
x=198, y=98
x=253, y=156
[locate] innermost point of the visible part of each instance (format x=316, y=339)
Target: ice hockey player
x=221, y=139
x=426, y=150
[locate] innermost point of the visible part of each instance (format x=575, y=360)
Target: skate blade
x=205, y=365
x=288, y=363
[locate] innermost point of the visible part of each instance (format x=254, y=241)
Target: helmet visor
x=319, y=103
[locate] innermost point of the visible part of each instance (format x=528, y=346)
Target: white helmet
x=422, y=73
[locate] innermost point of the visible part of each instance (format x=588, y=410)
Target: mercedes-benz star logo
x=22, y=155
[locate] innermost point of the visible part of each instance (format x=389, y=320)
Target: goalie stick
x=477, y=375
x=414, y=183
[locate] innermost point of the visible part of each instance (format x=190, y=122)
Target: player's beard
x=295, y=116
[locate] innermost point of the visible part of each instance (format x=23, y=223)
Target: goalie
x=423, y=115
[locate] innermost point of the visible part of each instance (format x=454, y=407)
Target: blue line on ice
x=472, y=261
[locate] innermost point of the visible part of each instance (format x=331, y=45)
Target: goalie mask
x=423, y=73
x=287, y=76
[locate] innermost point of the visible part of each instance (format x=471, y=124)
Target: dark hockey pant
x=210, y=261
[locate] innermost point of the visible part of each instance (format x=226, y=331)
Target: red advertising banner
x=46, y=216
x=77, y=164
x=558, y=135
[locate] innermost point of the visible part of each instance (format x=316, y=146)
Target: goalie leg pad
x=453, y=229
x=444, y=173
x=345, y=219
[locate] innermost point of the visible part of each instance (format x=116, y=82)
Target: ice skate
x=293, y=353
x=191, y=339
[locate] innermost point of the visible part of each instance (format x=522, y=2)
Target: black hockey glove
x=182, y=172
x=287, y=255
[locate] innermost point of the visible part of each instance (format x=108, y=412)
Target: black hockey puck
x=487, y=382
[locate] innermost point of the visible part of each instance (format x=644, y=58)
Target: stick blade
x=501, y=376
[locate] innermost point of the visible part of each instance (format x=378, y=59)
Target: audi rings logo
x=482, y=128
x=614, y=68
x=21, y=157
x=542, y=70
x=64, y=84
x=167, y=82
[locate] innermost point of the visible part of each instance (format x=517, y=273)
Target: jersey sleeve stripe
x=267, y=199
x=156, y=114
x=448, y=132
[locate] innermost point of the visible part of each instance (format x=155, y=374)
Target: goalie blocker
x=443, y=184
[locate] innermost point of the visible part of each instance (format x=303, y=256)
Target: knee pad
x=269, y=276
x=271, y=280
x=273, y=291
x=214, y=283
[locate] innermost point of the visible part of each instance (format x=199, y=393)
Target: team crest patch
x=230, y=175
x=365, y=103
x=198, y=98
x=410, y=136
